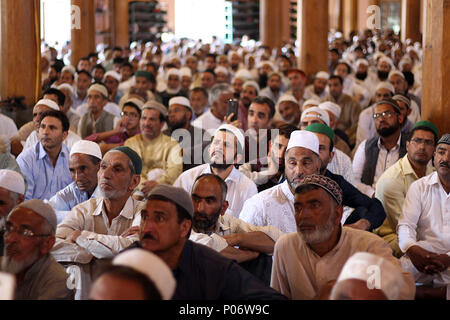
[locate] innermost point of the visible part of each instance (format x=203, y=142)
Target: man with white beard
x=29, y=237
x=98, y=229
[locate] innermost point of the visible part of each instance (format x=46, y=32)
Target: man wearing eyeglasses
x=394, y=183
x=29, y=237
x=377, y=154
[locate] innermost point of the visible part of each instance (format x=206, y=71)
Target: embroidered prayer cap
x=332, y=107
x=155, y=105
x=99, y=88
x=445, y=139
x=325, y=183
x=322, y=114
x=391, y=103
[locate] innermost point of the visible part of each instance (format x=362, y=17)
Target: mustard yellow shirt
x=162, y=152
x=391, y=190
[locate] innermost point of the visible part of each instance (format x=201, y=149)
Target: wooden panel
x=83, y=39
x=411, y=10
x=274, y=24
x=436, y=65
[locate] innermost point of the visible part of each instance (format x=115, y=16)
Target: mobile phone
x=233, y=105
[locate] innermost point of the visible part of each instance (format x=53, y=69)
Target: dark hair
x=424, y=128
x=126, y=64
x=268, y=102
x=349, y=69
x=131, y=104
x=92, y=55
x=153, y=65
x=222, y=183
x=85, y=73
x=335, y=51
x=202, y=90
x=99, y=66
x=210, y=71
x=409, y=77
x=59, y=115
x=211, y=55
x=149, y=288
x=117, y=49
x=118, y=60
x=285, y=57
x=83, y=59
x=58, y=93
x=337, y=77
x=57, y=67
x=95, y=161
x=286, y=130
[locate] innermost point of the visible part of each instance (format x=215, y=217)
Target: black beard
x=383, y=75
x=205, y=226
x=220, y=166
x=387, y=132
x=176, y=125
x=361, y=76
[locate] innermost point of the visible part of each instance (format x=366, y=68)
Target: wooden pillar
x=335, y=16
x=121, y=23
x=312, y=34
x=436, y=65
x=20, y=50
x=83, y=30
x=363, y=16
x=350, y=16
x=411, y=12
x=274, y=22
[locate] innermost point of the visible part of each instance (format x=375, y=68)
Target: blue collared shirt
x=64, y=200
x=44, y=180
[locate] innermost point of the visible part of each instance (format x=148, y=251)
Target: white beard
x=11, y=266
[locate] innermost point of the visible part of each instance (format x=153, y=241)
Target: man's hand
x=73, y=236
x=234, y=239
x=239, y=255
x=131, y=231
x=148, y=186
x=362, y=224
x=325, y=291
x=121, y=125
x=426, y=261
x=237, y=123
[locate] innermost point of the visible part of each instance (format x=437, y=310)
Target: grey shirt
x=45, y=280
x=86, y=125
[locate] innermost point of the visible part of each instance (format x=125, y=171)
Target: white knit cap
x=266, y=62
x=49, y=103
x=86, y=147
x=322, y=114
x=235, y=131
x=186, y=72
x=221, y=69
x=253, y=84
x=99, y=88
x=114, y=75
x=332, y=107
x=403, y=61
x=287, y=97
x=366, y=267
x=181, y=101
x=173, y=72
x=385, y=85
x=310, y=102
x=42, y=209
x=304, y=139
x=12, y=181
x=67, y=87
x=243, y=74
x=396, y=73
x=70, y=69
x=361, y=61
x=150, y=265
x=322, y=75
x=387, y=60
x=138, y=102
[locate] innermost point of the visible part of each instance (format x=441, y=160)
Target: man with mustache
x=233, y=238
x=84, y=163
x=29, y=238
x=377, y=154
x=201, y=273
x=308, y=262
x=96, y=230
x=394, y=183
x=250, y=90
x=161, y=155
x=275, y=206
x=266, y=177
x=226, y=150
x=423, y=228
x=45, y=166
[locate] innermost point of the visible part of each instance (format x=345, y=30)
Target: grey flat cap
x=176, y=195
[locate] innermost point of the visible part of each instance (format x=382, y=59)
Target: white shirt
x=33, y=138
x=352, y=89
x=110, y=107
x=240, y=188
x=425, y=218
x=272, y=207
x=341, y=165
x=8, y=127
x=208, y=122
x=385, y=160
x=227, y=225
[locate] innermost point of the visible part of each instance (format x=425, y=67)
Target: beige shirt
x=227, y=224
x=160, y=153
x=98, y=238
x=299, y=273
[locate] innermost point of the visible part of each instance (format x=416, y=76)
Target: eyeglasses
x=418, y=141
x=130, y=115
x=385, y=115
x=22, y=231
